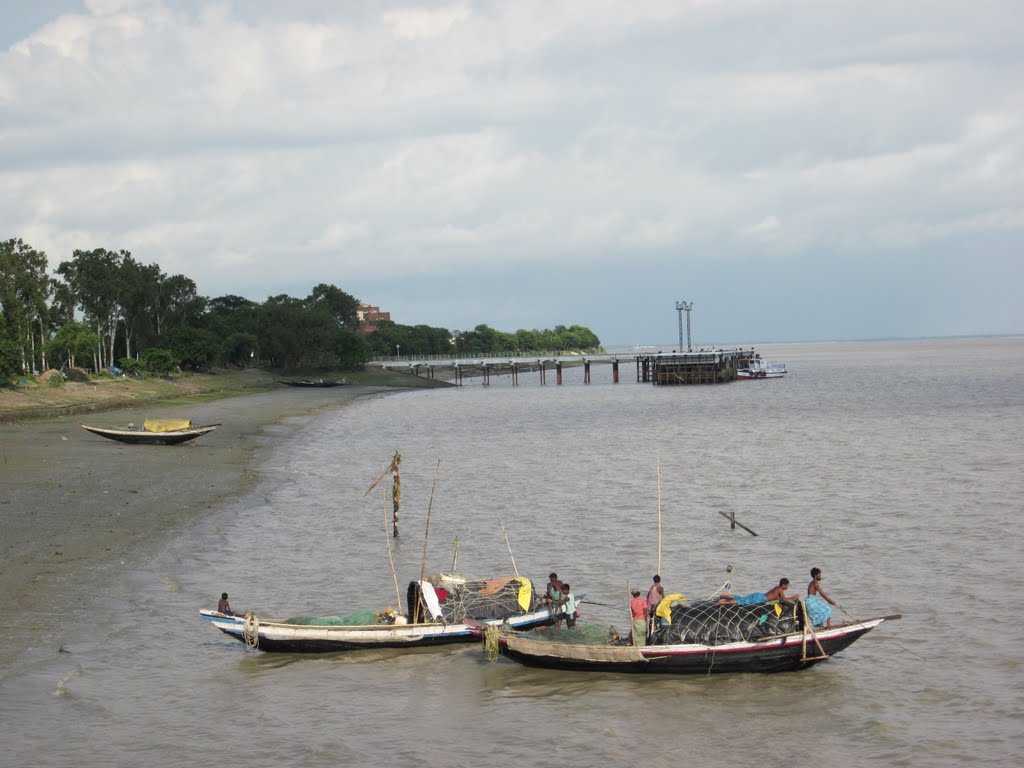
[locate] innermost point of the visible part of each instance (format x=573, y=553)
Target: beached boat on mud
x=703, y=638
x=760, y=369
x=155, y=432
x=457, y=618
x=314, y=382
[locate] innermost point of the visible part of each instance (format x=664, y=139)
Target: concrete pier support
x=558, y=374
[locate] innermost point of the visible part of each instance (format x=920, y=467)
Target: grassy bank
x=33, y=400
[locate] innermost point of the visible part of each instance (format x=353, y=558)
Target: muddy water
x=896, y=467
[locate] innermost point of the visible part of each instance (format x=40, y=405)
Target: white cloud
x=351, y=143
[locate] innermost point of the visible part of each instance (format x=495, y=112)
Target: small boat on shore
x=154, y=432
x=467, y=605
x=759, y=369
x=322, y=383
x=726, y=639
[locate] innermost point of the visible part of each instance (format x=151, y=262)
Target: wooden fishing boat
x=453, y=623
x=789, y=651
x=146, y=437
x=314, y=382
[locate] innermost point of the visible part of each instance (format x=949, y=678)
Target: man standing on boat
x=553, y=593
x=638, y=610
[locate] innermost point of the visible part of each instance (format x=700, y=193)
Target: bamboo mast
x=658, y=571
x=508, y=544
x=391, y=559
x=426, y=527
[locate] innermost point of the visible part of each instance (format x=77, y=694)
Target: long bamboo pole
x=426, y=527
x=508, y=544
x=659, y=516
x=391, y=558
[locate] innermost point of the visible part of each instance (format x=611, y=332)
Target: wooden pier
x=711, y=366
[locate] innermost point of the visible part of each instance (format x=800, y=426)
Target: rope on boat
x=251, y=630
x=491, y=646
x=809, y=626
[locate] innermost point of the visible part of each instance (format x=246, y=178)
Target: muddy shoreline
x=72, y=502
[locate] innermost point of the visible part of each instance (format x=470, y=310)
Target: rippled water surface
x=896, y=467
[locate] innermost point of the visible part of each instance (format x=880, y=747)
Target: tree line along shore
x=103, y=309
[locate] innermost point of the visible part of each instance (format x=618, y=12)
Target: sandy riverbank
x=71, y=502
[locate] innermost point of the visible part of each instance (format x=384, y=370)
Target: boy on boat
x=819, y=605
x=638, y=611
x=553, y=592
x=569, y=606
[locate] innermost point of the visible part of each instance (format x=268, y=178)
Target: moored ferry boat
x=760, y=369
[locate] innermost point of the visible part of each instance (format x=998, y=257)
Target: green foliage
x=351, y=350
x=240, y=349
x=130, y=366
x=484, y=340
x=55, y=382
x=10, y=354
x=196, y=349
x=24, y=291
x=340, y=305
x=73, y=342
x=158, y=361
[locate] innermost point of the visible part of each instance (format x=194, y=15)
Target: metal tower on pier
x=687, y=307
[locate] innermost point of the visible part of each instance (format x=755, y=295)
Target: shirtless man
x=819, y=612
x=779, y=592
x=223, y=606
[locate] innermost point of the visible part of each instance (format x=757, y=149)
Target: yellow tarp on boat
x=166, y=425
x=525, y=593
x=664, y=610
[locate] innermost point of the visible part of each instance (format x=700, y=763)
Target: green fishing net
x=581, y=634
x=352, y=619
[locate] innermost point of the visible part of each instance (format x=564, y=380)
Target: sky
x=800, y=170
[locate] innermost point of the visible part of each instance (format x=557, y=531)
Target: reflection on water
x=893, y=466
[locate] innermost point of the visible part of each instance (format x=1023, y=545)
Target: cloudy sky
x=811, y=169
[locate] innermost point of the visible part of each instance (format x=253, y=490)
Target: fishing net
x=359, y=618
x=484, y=600
x=708, y=623
x=581, y=634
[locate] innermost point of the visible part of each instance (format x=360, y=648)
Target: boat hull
x=276, y=637
x=784, y=654
x=138, y=437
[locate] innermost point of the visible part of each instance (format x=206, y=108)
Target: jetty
x=705, y=366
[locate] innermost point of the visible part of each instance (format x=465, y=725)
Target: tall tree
x=94, y=278
x=24, y=290
x=341, y=306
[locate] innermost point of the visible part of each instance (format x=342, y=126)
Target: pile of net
x=490, y=599
x=581, y=634
x=359, y=618
x=708, y=623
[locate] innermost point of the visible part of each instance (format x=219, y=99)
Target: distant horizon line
x=716, y=344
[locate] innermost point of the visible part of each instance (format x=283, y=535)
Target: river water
x=894, y=466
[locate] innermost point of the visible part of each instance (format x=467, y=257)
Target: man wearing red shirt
x=638, y=610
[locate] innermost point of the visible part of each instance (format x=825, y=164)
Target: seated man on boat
x=818, y=603
x=223, y=606
x=777, y=592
